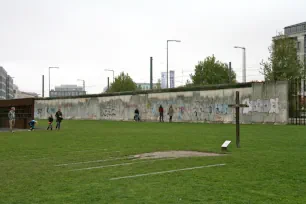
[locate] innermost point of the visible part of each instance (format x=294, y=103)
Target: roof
x=29, y=93
x=295, y=25
x=17, y=102
x=68, y=86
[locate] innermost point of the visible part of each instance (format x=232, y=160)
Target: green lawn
x=270, y=166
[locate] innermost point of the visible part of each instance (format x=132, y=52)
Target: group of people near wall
x=32, y=123
x=161, y=114
x=59, y=118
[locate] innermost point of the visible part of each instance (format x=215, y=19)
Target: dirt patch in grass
x=175, y=154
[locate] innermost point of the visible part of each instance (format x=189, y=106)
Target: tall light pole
x=167, y=60
x=50, y=77
x=83, y=83
x=243, y=63
x=110, y=70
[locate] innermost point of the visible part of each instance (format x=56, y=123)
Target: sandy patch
x=175, y=154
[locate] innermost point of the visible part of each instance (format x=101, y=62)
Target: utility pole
x=43, y=86
x=151, y=73
x=230, y=71
x=243, y=63
x=50, y=77
x=244, y=66
x=167, y=60
x=107, y=83
x=111, y=70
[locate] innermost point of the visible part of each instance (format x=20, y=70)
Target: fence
x=297, y=102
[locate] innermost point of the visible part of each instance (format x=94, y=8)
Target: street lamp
x=50, y=77
x=83, y=83
x=167, y=59
x=110, y=70
x=243, y=63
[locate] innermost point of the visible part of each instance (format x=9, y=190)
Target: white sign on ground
x=225, y=145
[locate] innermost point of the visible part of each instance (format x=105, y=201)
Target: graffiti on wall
x=108, y=110
x=51, y=110
x=38, y=112
x=67, y=105
x=204, y=110
x=194, y=106
x=261, y=106
x=154, y=106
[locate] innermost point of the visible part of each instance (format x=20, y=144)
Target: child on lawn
x=50, y=121
x=32, y=124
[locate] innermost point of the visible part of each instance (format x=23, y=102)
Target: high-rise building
x=298, y=32
x=67, y=90
x=6, y=85
x=3, y=76
x=22, y=94
x=9, y=87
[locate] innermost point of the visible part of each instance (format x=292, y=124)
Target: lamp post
x=243, y=63
x=110, y=70
x=50, y=77
x=167, y=60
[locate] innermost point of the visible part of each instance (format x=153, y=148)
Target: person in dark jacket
x=161, y=113
x=50, y=121
x=59, y=118
x=136, y=116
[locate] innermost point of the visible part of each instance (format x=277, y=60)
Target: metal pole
x=237, y=121
x=107, y=83
x=167, y=64
x=49, y=82
x=230, y=71
x=43, y=86
x=244, y=66
x=113, y=76
x=151, y=73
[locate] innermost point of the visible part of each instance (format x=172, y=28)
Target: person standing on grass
x=170, y=113
x=136, y=116
x=50, y=121
x=11, y=116
x=161, y=113
x=59, y=118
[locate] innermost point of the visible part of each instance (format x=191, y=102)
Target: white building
x=298, y=32
x=21, y=94
x=67, y=90
x=6, y=85
x=145, y=86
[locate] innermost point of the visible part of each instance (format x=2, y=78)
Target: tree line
x=283, y=64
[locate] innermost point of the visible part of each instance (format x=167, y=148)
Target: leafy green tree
x=283, y=63
x=211, y=71
x=122, y=83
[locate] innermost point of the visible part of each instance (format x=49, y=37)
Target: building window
x=298, y=46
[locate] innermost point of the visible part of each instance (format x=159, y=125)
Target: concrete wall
x=268, y=103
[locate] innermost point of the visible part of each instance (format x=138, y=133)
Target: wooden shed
x=24, y=112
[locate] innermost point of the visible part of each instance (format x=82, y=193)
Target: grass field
x=270, y=166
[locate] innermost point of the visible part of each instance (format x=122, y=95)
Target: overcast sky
x=84, y=37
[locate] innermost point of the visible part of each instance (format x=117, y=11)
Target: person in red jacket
x=161, y=113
